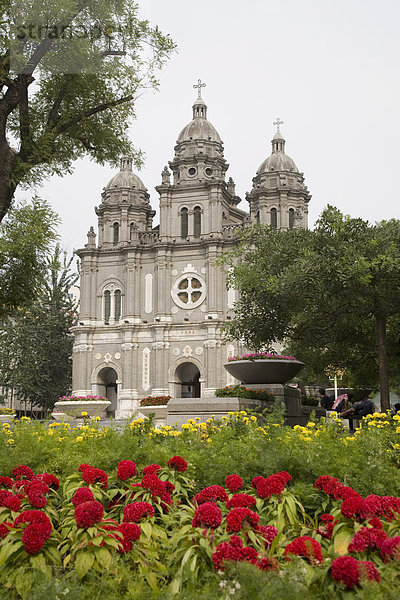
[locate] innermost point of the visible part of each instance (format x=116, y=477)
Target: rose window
x=189, y=291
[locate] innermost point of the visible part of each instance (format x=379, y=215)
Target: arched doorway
x=107, y=387
x=187, y=377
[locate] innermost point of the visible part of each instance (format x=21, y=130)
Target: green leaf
x=103, y=556
x=146, y=528
x=342, y=540
x=38, y=562
x=83, y=563
x=8, y=550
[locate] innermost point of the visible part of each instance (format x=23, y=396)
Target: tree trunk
x=7, y=187
x=383, y=363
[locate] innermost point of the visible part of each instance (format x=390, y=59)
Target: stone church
x=152, y=301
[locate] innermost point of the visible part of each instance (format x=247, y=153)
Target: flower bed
x=7, y=411
x=136, y=520
x=233, y=391
x=155, y=401
x=260, y=356
x=82, y=399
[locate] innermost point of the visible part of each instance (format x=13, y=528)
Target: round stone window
x=189, y=291
x=208, y=171
x=192, y=171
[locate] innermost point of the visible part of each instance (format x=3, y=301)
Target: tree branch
x=92, y=111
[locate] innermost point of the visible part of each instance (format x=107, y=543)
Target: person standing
x=325, y=401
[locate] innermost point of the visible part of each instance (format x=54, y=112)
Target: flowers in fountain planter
x=7, y=411
x=82, y=399
x=261, y=356
x=155, y=400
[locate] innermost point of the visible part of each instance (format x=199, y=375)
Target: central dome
x=199, y=128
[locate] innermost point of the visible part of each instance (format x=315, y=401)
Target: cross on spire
x=199, y=86
x=278, y=122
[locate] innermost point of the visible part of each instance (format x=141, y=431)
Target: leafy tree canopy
x=70, y=72
x=36, y=344
x=332, y=294
x=26, y=236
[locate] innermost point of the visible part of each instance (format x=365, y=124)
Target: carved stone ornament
x=107, y=357
x=212, y=344
x=176, y=351
x=187, y=351
x=128, y=346
x=199, y=350
x=83, y=348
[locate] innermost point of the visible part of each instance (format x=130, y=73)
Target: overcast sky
x=328, y=69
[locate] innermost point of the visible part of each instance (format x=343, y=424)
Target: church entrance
x=107, y=387
x=187, y=377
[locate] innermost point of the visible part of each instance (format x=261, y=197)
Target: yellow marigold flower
x=231, y=412
x=310, y=424
x=79, y=438
x=253, y=418
x=197, y=419
x=208, y=440
x=84, y=414
x=396, y=418
x=25, y=419
x=185, y=426
x=396, y=446
x=10, y=441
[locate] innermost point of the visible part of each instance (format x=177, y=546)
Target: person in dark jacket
x=324, y=400
x=360, y=409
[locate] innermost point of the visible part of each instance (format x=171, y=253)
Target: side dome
x=125, y=179
x=199, y=128
x=278, y=160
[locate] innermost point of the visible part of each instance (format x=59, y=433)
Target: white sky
x=328, y=69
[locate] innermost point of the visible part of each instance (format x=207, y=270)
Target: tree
x=36, y=344
x=70, y=72
x=26, y=236
x=331, y=294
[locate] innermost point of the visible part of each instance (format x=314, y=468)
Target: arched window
x=184, y=223
x=107, y=306
x=274, y=219
x=116, y=233
x=258, y=216
x=291, y=218
x=117, y=307
x=197, y=221
x=132, y=228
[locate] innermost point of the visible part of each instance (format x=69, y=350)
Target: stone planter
x=94, y=408
x=7, y=418
x=160, y=413
x=62, y=417
x=264, y=371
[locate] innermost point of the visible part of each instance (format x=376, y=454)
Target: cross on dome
x=278, y=122
x=198, y=87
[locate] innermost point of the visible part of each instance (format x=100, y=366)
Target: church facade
x=152, y=300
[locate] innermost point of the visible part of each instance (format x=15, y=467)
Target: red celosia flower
x=268, y=564
x=154, y=484
x=13, y=503
x=6, y=482
x=135, y=512
x=126, y=469
x=367, y=537
x=207, y=515
x=374, y=504
x=345, y=492
x=255, y=480
x=355, y=508
x=151, y=469
x=390, y=507
x=307, y=547
x=94, y=475
x=233, y=551
x=241, y=518
x=5, y=529
x=21, y=471
x=328, y=523
x=234, y=483
x=351, y=572
x=35, y=491
x=375, y=522
x=285, y=476
x=131, y=532
x=391, y=549
x=177, y=463
x=329, y=485
x=271, y=486
x=239, y=500
x=51, y=480
x=34, y=516
x=169, y=486
x=88, y=513
x=211, y=493
x=34, y=537
x=81, y=495
x=268, y=533
x=3, y=495
x=84, y=466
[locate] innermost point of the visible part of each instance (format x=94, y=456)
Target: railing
x=148, y=237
